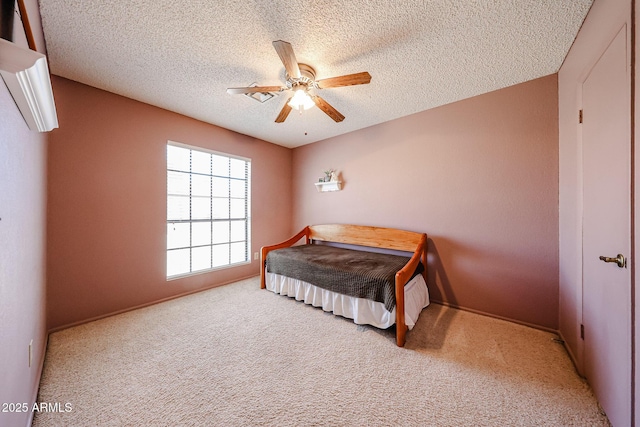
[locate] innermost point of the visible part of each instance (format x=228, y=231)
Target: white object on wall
x=329, y=186
x=26, y=75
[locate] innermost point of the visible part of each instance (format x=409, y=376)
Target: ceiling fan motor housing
x=306, y=80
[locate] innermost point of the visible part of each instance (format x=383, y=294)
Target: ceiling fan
x=301, y=78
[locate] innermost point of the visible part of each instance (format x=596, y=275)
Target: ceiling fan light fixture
x=301, y=100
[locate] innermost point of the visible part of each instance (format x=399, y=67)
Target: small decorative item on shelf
x=330, y=181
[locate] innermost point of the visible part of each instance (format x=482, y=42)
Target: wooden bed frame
x=376, y=237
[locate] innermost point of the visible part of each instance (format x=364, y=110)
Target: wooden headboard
x=377, y=237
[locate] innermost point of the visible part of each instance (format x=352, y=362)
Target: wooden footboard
x=376, y=237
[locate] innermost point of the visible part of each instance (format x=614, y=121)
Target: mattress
x=363, y=311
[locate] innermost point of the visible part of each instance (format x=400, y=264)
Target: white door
x=607, y=230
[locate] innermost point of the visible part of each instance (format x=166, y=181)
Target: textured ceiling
x=182, y=56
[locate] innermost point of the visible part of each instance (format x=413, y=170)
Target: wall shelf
x=329, y=186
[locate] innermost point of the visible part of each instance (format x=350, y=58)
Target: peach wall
x=22, y=258
x=479, y=176
x=107, y=202
x=602, y=23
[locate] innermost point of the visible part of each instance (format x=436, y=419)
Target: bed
x=380, y=289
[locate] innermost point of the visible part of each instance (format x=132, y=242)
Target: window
x=208, y=210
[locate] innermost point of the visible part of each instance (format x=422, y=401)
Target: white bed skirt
x=361, y=310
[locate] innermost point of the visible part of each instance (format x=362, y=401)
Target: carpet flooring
x=240, y=356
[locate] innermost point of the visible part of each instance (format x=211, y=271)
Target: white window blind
x=208, y=210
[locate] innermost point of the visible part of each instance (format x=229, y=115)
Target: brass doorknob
x=620, y=260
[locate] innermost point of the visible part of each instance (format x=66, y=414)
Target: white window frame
x=177, y=216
